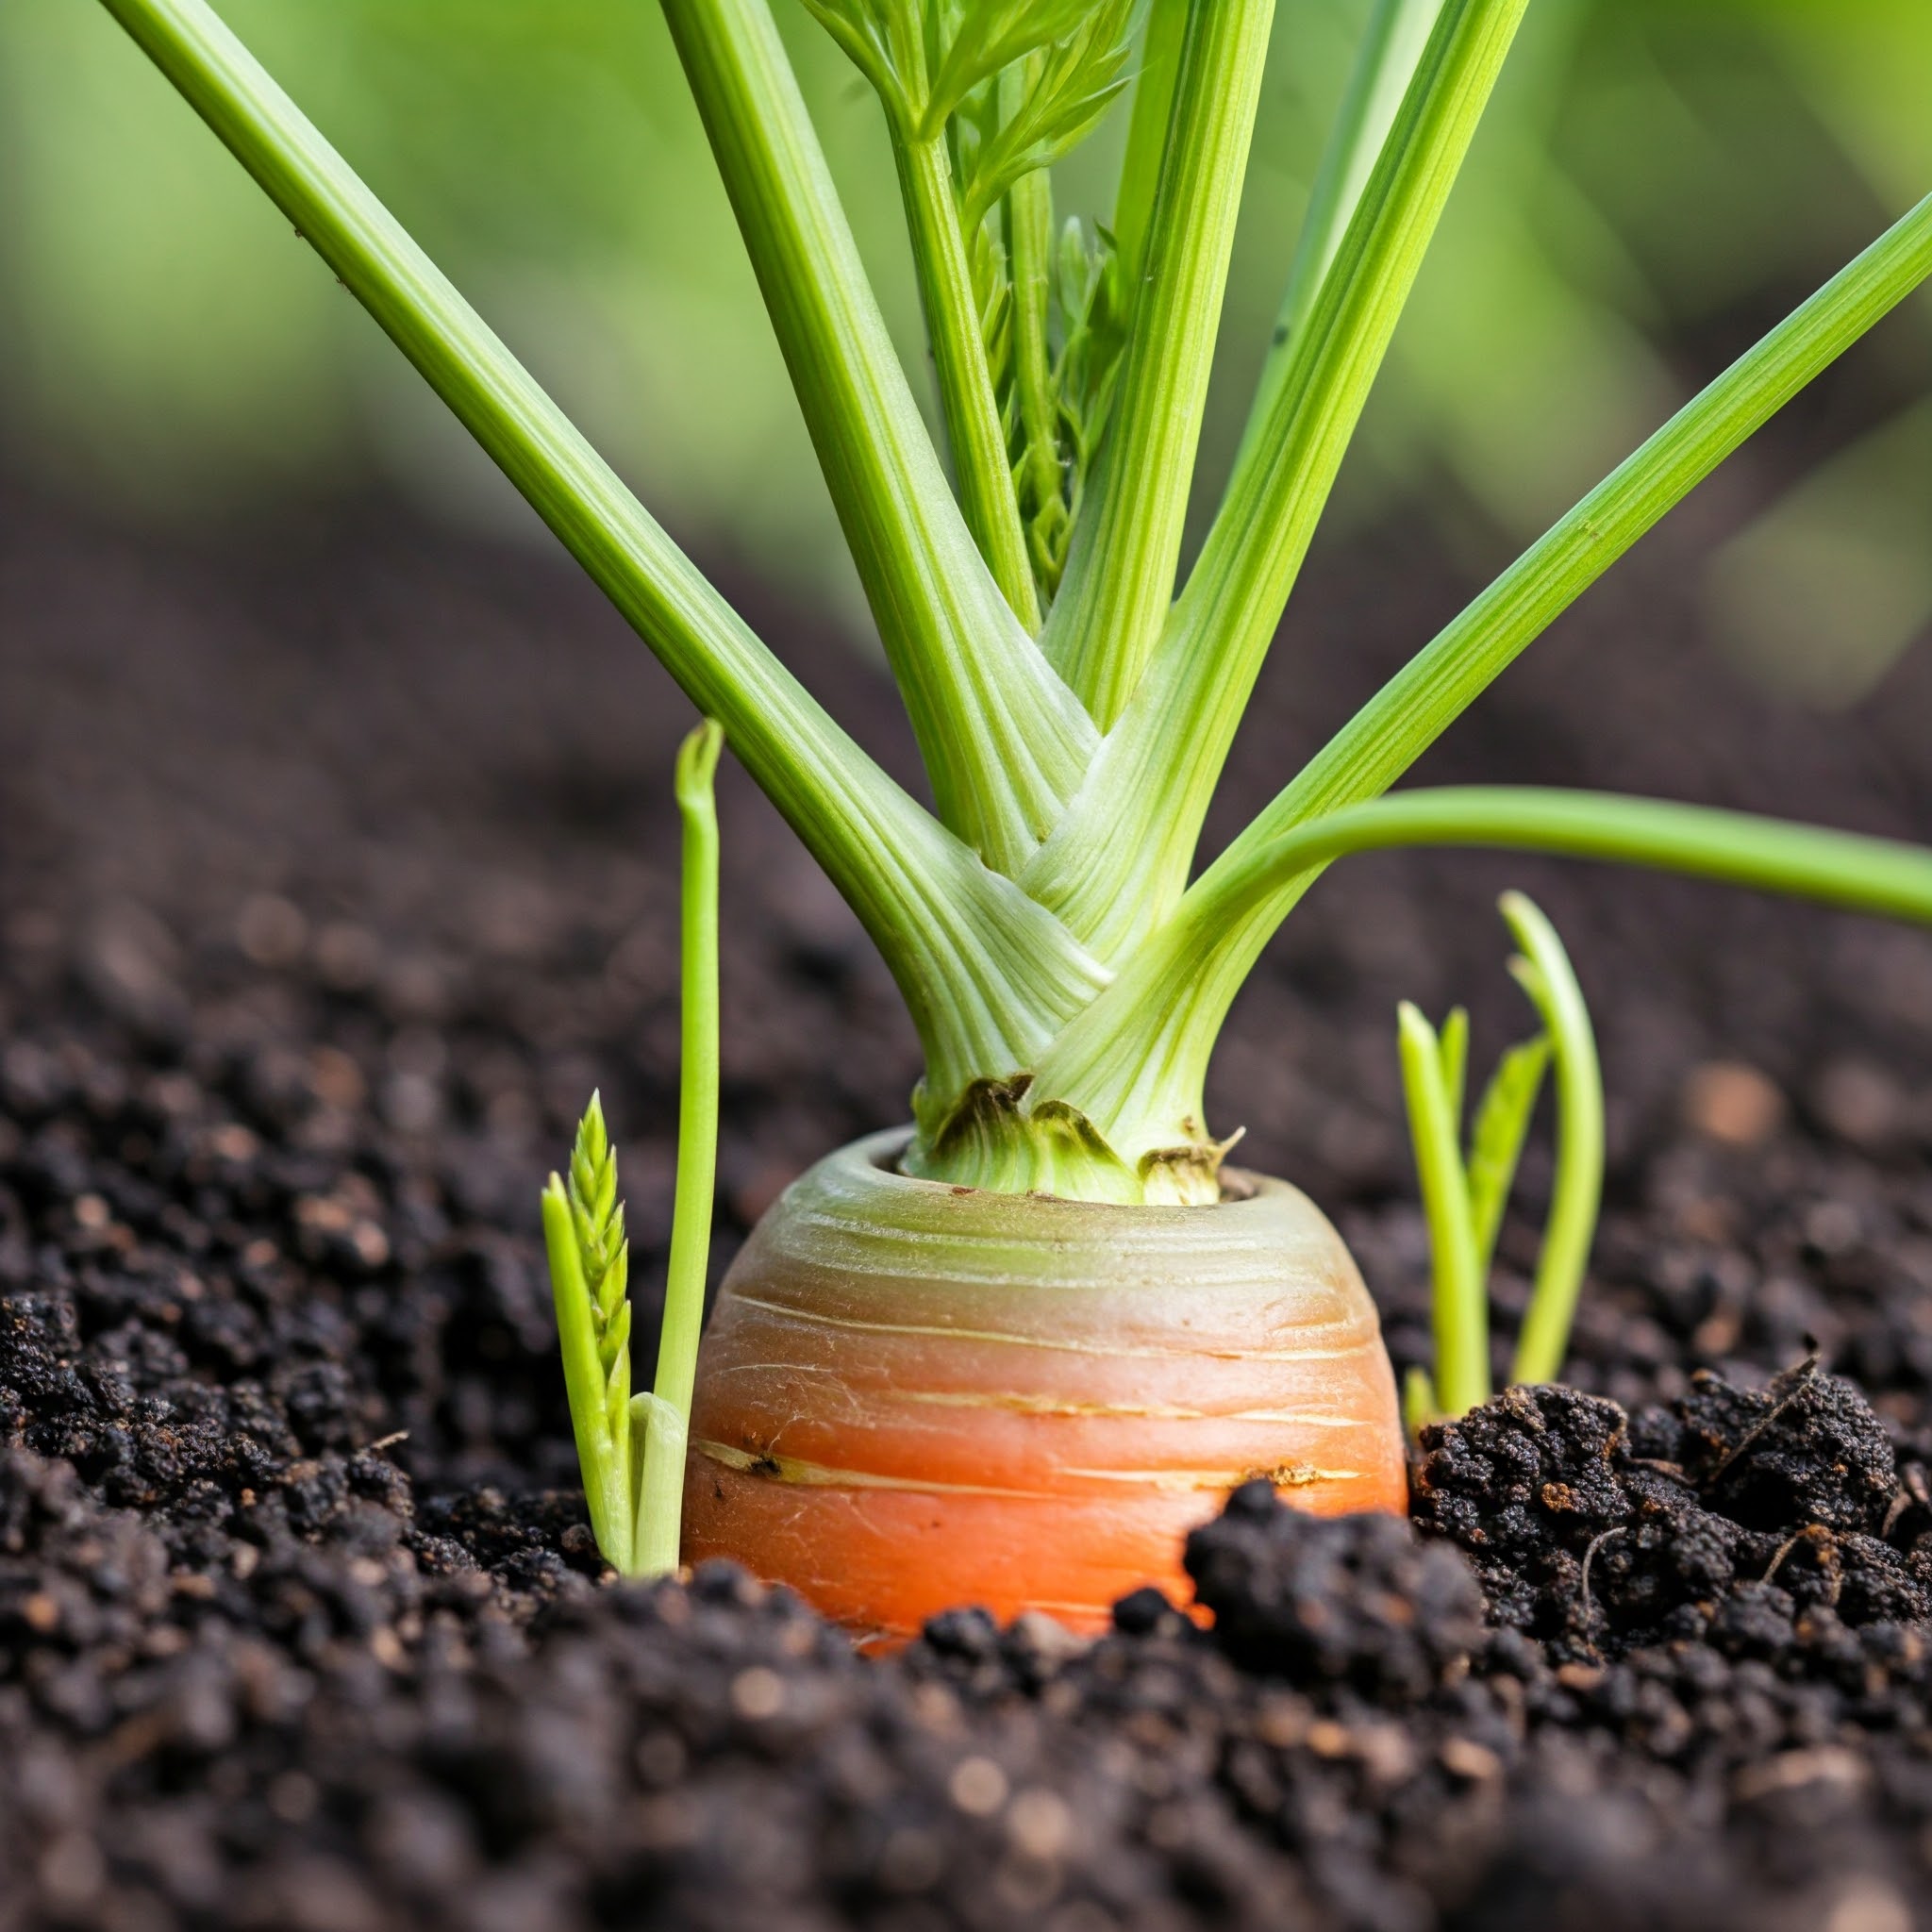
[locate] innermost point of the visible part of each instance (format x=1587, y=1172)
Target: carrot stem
x=1545, y=974
x=1458, y=1311
x=667, y=1411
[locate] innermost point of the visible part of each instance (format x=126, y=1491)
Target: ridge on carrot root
x=1464, y=1195
x=631, y=1448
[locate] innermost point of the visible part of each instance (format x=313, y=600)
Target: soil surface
x=336, y=870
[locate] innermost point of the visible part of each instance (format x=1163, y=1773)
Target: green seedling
x=631, y=1448
x=1464, y=1194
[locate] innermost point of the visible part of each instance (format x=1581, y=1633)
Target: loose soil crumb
x=1357, y=1600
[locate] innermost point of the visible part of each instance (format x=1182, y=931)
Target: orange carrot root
x=912, y=1397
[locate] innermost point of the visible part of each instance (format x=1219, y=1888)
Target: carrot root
x=913, y=1396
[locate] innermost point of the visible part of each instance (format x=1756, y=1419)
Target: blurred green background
x=1660, y=179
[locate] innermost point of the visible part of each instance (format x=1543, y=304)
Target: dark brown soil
x=336, y=873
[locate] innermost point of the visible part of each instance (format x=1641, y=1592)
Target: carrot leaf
x=1544, y=972
x=589, y=1263
x=1459, y=1310
x=1495, y=1140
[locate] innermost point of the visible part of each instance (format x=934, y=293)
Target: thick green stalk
x=660, y=1486
x=1118, y=859
x=1134, y=1062
x=1084, y=858
x=1120, y=569
x=1460, y=1313
x=1005, y=741
x=1392, y=49
x=974, y=429
x=1147, y=129
x=1545, y=974
x=987, y=973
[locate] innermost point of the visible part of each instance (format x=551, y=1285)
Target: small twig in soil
x=1589, y=1556
x=1792, y=1542
x=1912, y=1488
x=1784, y=1550
x=1800, y=1380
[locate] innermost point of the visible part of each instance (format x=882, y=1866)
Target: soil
x=337, y=867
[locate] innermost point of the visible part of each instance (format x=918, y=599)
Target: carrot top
x=1074, y=692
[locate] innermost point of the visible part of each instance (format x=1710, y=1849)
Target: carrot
x=913, y=1395
x=923, y=1390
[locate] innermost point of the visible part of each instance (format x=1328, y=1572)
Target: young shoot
x=631, y=1448
x=1464, y=1194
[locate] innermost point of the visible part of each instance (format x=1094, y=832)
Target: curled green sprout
x=631, y=1448
x=1464, y=1194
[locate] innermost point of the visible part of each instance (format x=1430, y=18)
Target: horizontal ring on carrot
x=913, y=1394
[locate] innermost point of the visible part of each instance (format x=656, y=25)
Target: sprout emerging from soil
x=631, y=1448
x=1463, y=1198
